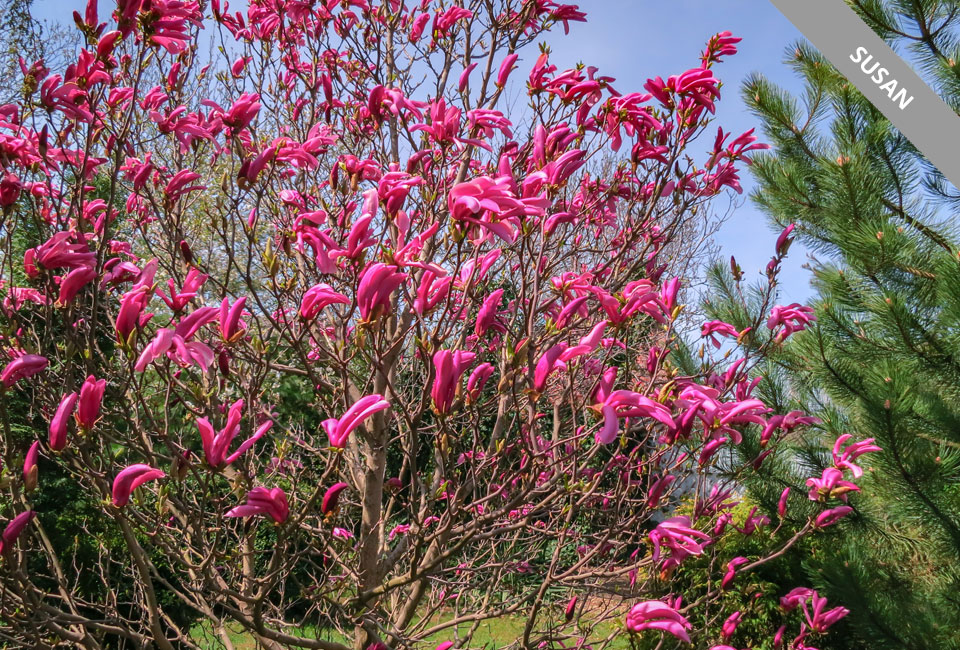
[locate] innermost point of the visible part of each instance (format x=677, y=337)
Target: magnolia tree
x=318, y=345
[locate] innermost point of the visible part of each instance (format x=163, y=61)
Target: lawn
x=491, y=635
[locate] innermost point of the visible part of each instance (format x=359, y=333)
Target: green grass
x=491, y=635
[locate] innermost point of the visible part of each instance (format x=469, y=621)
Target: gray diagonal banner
x=883, y=78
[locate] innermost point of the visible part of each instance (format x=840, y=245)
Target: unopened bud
x=223, y=361
x=30, y=479
x=185, y=251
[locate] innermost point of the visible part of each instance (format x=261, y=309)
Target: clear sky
x=633, y=40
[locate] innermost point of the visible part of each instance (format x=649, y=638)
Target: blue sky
x=633, y=40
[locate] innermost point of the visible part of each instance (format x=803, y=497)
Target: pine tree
x=883, y=361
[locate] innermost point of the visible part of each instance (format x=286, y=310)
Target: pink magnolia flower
x=785, y=423
x=129, y=479
x=464, y=79
x=319, y=297
x=628, y=113
x=716, y=501
x=475, y=269
x=722, y=44
x=58, y=425
x=819, y=618
x=782, y=503
x=778, y=637
x=339, y=430
x=790, y=319
x=230, y=328
x=711, y=448
x=67, y=98
x=448, y=368
x=444, y=126
x=657, y=490
x=10, y=187
x=721, y=524
x=697, y=85
x=169, y=22
x=477, y=380
x=393, y=484
x=753, y=521
x=556, y=172
x=263, y=501
x=444, y=21
x=668, y=294
x=605, y=385
x=395, y=102
x=547, y=363
x=189, y=325
x=566, y=14
x=676, y=536
x=417, y=26
x=586, y=345
x=393, y=189
x=30, y=469
x=178, y=348
x=830, y=485
x=783, y=241
x=488, y=204
x=658, y=615
x=731, y=571
x=156, y=348
x=132, y=305
x=795, y=597
x=577, y=306
x=13, y=529
x=730, y=625
x=65, y=249
x=717, y=416
x=639, y=297
x=192, y=284
x=570, y=609
x=242, y=112
x=23, y=367
x=484, y=122
x=332, y=497
x=487, y=315
x=238, y=65
x=432, y=291
x=377, y=284
x=399, y=529
x=712, y=328
x=831, y=516
x=73, y=282
x=627, y=404
x=177, y=343
x=360, y=238
x=736, y=150
x=88, y=407
x=843, y=458
x=216, y=445
x=506, y=68
x=342, y=533
x=180, y=184
x=361, y=169
x=17, y=296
